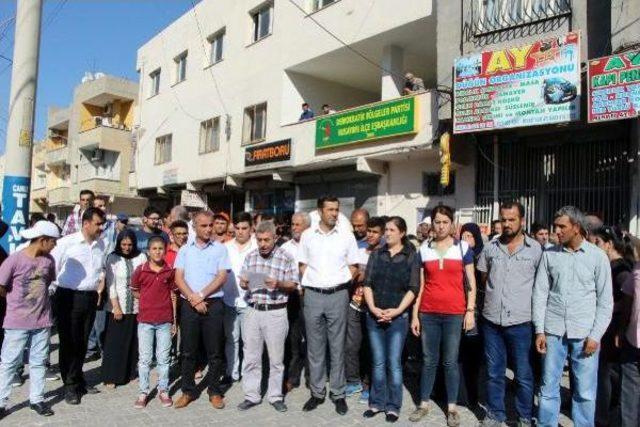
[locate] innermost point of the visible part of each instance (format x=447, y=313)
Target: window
x=209, y=135
x=216, y=42
x=155, y=82
x=319, y=4
x=431, y=185
x=498, y=15
x=255, y=123
x=181, y=67
x=163, y=149
x=262, y=21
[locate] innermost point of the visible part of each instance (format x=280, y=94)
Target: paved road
x=115, y=408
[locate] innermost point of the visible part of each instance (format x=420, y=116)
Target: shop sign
x=614, y=87
x=278, y=151
x=534, y=84
x=170, y=176
x=381, y=120
x=193, y=199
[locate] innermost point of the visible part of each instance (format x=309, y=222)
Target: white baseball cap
x=426, y=220
x=40, y=229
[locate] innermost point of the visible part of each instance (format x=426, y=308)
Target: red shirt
x=170, y=256
x=443, y=278
x=155, y=293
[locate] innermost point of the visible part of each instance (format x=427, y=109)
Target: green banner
x=381, y=120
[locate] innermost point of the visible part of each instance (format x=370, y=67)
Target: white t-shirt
x=233, y=293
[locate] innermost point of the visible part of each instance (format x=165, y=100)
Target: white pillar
x=393, y=73
x=19, y=140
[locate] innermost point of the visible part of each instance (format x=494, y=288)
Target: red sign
x=614, y=87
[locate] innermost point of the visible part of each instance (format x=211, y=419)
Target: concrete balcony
x=58, y=118
x=105, y=138
x=39, y=194
x=59, y=196
x=57, y=156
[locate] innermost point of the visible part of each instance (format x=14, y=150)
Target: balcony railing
x=59, y=196
x=58, y=156
x=491, y=16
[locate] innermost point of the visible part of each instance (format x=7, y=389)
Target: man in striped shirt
x=268, y=274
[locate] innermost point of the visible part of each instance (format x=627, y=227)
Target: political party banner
x=15, y=210
x=380, y=120
x=614, y=87
x=533, y=84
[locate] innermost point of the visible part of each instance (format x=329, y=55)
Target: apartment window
x=255, y=123
x=155, y=82
x=163, y=149
x=498, y=15
x=209, y=135
x=431, y=185
x=319, y=4
x=181, y=67
x=262, y=21
x=216, y=44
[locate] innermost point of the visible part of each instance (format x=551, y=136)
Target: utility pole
x=19, y=140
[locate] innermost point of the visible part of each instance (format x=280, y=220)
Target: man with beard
x=508, y=268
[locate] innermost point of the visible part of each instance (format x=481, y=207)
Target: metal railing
x=491, y=16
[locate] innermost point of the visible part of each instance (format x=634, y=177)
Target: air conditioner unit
x=108, y=109
x=97, y=155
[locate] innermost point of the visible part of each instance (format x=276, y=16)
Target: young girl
x=153, y=282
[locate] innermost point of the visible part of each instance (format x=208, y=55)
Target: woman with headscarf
x=120, y=357
x=472, y=366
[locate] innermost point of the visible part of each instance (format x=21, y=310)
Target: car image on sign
x=558, y=91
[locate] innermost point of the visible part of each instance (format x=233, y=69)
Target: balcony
x=105, y=138
x=59, y=196
x=39, y=195
x=57, y=156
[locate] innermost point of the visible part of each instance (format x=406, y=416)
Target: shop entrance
x=590, y=169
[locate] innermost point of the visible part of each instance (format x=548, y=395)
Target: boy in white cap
x=24, y=281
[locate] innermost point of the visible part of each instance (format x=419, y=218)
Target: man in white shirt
x=79, y=262
x=300, y=221
x=328, y=262
x=234, y=301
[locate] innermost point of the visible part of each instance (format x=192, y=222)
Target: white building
x=229, y=77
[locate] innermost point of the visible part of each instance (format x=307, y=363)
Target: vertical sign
x=15, y=195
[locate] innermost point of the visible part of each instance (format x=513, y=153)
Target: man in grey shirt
x=508, y=267
x=572, y=307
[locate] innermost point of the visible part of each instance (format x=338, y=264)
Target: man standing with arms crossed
x=572, y=308
x=328, y=263
x=234, y=302
x=201, y=271
x=508, y=267
x=79, y=263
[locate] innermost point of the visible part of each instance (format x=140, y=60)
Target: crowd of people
x=339, y=300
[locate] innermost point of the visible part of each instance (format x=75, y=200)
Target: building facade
x=589, y=165
x=221, y=90
x=89, y=146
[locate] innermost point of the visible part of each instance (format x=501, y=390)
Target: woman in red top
x=443, y=310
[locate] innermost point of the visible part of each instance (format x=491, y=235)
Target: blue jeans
x=386, y=342
x=514, y=341
x=147, y=332
x=15, y=341
x=96, y=338
x=440, y=330
x=584, y=380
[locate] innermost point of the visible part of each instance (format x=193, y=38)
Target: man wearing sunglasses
x=151, y=226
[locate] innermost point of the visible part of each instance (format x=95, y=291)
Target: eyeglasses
x=153, y=218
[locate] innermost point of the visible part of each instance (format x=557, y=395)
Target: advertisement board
x=614, y=87
x=533, y=84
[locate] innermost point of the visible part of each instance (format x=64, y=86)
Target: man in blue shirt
x=201, y=271
x=151, y=223
x=307, y=113
x=572, y=308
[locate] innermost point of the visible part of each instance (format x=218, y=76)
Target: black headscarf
x=474, y=229
x=127, y=233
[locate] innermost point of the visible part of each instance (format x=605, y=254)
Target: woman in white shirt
x=120, y=357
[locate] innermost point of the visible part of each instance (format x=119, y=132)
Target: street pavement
x=115, y=408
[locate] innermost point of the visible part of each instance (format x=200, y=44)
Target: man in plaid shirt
x=269, y=274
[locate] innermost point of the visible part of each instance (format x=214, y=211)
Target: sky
x=79, y=36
